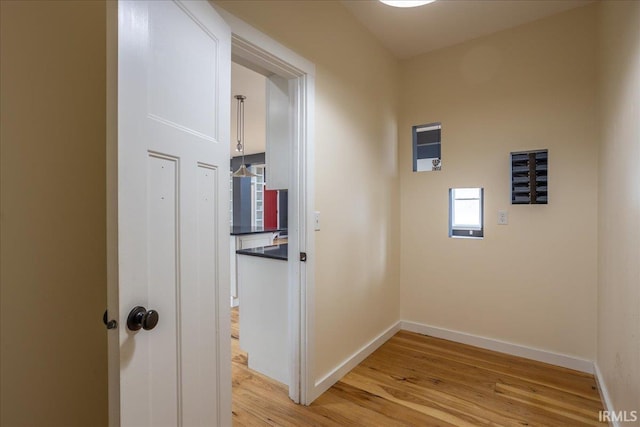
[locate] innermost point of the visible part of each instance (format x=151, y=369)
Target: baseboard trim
x=352, y=361
x=566, y=361
x=557, y=359
x=604, y=393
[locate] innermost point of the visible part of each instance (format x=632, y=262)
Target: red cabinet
x=270, y=208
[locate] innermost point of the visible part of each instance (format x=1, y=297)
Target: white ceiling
x=409, y=32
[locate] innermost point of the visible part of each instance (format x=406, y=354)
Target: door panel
x=162, y=367
x=199, y=393
x=180, y=72
x=173, y=215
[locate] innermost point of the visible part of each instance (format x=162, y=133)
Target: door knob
x=139, y=317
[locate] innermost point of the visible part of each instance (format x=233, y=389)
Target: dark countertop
x=274, y=252
x=240, y=230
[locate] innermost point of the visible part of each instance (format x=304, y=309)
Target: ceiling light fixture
x=242, y=171
x=406, y=3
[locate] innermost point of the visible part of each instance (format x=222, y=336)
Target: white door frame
x=256, y=50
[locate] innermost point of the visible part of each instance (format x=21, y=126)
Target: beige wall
x=357, y=293
x=619, y=236
x=532, y=282
x=53, y=284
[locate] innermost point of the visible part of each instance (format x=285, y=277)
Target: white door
x=170, y=250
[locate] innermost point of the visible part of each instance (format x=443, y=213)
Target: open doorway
x=260, y=144
x=295, y=76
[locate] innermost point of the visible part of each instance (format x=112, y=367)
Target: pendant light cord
x=240, y=124
x=242, y=170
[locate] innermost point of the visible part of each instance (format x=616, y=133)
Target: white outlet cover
x=316, y=220
x=503, y=217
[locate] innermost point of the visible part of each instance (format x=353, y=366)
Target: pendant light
x=242, y=171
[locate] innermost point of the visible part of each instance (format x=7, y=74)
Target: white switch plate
x=503, y=217
x=316, y=220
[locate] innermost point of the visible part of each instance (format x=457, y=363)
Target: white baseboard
x=352, y=361
x=566, y=361
x=557, y=359
x=604, y=393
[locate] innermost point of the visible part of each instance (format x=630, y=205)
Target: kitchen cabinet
x=255, y=240
x=246, y=238
x=278, y=129
x=257, y=197
x=262, y=275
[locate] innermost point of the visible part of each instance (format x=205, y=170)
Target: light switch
x=503, y=217
x=316, y=216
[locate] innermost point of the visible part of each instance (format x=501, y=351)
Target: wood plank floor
x=416, y=380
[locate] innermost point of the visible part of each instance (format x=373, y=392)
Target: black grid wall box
x=529, y=177
x=426, y=147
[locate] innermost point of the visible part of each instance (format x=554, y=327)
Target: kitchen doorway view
x=258, y=192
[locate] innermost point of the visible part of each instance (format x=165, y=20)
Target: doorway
x=260, y=53
x=260, y=140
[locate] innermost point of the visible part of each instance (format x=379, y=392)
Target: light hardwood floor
x=416, y=380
